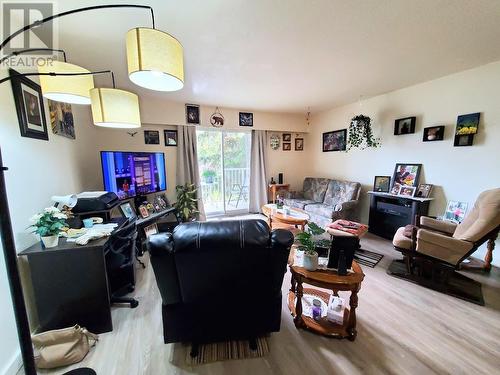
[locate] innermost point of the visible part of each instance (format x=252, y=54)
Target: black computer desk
x=70, y=285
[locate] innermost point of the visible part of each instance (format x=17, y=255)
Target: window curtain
x=258, y=171
x=187, y=162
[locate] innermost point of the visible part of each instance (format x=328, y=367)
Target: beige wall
x=458, y=173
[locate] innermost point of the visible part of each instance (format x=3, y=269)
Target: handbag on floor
x=62, y=347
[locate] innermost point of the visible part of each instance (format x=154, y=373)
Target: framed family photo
x=382, y=184
x=128, y=211
x=170, y=137
x=406, y=174
x=29, y=107
x=424, y=191
x=61, y=119
x=299, y=144
x=335, y=140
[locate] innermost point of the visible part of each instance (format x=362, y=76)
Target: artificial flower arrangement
x=48, y=224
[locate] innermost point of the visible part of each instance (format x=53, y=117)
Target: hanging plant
x=360, y=133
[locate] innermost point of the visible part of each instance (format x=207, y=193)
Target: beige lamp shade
x=155, y=60
x=67, y=89
x=114, y=108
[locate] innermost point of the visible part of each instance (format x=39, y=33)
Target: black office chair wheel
x=134, y=303
x=81, y=371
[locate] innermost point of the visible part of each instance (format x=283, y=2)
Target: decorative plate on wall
x=275, y=141
x=217, y=119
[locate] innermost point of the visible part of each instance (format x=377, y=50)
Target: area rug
x=223, y=351
x=367, y=258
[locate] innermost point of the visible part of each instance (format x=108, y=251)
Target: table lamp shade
x=114, y=108
x=67, y=89
x=155, y=60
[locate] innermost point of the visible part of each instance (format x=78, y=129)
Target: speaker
x=280, y=178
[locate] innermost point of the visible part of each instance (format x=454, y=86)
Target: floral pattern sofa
x=326, y=200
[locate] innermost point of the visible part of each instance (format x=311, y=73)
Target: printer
x=90, y=201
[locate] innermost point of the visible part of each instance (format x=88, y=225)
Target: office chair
x=120, y=263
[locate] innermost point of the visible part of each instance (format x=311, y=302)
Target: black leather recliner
x=220, y=280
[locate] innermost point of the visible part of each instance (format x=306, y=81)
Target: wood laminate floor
x=402, y=329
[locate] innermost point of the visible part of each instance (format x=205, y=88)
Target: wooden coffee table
x=296, y=217
x=325, y=279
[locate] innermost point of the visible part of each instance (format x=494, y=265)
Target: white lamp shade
x=65, y=200
x=155, y=60
x=67, y=89
x=114, y=108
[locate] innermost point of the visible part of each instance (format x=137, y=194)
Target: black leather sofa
x=220, y=280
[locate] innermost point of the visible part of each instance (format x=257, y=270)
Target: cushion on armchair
x=315, y=188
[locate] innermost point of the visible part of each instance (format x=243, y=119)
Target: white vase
x=50, y=241
x=310, y=261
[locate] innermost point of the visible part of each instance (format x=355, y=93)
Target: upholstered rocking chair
x=433, y=250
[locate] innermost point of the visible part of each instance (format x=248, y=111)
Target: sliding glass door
x=224, y=161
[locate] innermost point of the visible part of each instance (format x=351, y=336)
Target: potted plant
x=187, y=201
x=48, y=224
x=360, y=133
x=308, y=245
x=209, y=176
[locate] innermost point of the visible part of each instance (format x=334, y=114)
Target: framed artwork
x=128, y=211
x=29, y=107
x=152, y=137
x=287, y=137
x=287, y=146
x=192, y=114
x=407, y=191
x=274, y=141
x=246, y=119
x=299, y=144
x=170, y=137
x=455, y=211
x=424, y=191
x=335, y=140
x=463, y=140
x=161, y=201
x=150, y=230
x=467, y=124
x=406, y=174
x=143, y=210
x=405, y=125
x=433, y=133
x=61, y=119
x=382, y=184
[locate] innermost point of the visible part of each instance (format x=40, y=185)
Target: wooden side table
x=325, y=279
x=277, y=189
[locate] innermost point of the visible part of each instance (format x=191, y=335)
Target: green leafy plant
x=306, y=238
x=360, y=133
x=49, y=222
x=187, y=201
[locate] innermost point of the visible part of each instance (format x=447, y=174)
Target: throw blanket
x=356, y=229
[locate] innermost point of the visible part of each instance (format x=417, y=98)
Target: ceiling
x=288, y=55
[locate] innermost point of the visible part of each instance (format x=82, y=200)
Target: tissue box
x=335, y=312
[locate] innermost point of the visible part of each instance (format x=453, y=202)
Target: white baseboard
x=15, y=364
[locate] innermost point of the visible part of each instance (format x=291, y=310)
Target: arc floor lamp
x=155, y=61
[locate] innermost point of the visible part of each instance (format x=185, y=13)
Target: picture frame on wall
x=287, y=146
x=406, y=174
x=287, y=137
x=152, y=137
x=61, y=119
x=433, y=133
x=246, y=118
x=467, y=127
x=29, y=107
x=192, y=114
x=405, y=125
x=170, y=137
x=382, y=184
x=335, y=140
x=299, y=144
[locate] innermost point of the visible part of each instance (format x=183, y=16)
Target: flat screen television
x=133, y=173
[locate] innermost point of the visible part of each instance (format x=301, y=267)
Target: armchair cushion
x=298, y=203
x=315, y=188
x=436, y=245
x=438, y=225
x=400, y=240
